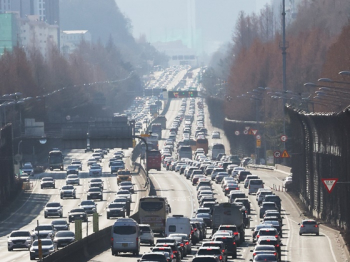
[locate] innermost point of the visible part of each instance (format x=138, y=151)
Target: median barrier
x=84, y=249
x=283, y=169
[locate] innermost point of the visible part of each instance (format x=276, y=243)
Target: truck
x=161, y=120
x=228, y=214
x=156, y=128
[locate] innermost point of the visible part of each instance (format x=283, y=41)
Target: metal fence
x=321, y=149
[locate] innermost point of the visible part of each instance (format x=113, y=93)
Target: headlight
x=81, y=215
x=108, y=209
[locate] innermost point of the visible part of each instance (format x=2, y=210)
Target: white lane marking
x=330, y=244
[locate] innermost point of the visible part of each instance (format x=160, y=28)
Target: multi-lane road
x=182, y=198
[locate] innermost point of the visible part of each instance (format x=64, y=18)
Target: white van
x=125, y=236
x=254, y=185
x=178, y=224
x=217, y=149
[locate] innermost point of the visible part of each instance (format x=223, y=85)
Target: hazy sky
x=211, y=22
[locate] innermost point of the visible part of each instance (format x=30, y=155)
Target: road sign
x=285, y=154
x=258, y=136
x=329, y=183
x=284, y=138
x=254, y=131
x=277, y=154
x=145, y=135
x=258, y=143
x=247, y=127
x=245, y=132
x=237, y=133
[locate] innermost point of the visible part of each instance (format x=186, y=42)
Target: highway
x=182, y=198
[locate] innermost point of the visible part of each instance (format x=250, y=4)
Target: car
x=230, y=244
x=77, y=163
x=287, y=182
x=215, y=134
x=95, y=170
x=270, y=240
x=154, y=257
x=184, y=238
x=264, y=249
x=128, y=184
x=19, y=239
x=28, y=169
x=309, y=226
x=206, y=258
x=146, y=234
x=267, y=206
x=213, y=251
x=97, y=156
x=269, y=232
x=77, y=214
x=174, y=247
x=99, y=185
x=124, y=193
x=89, y=206
x=47, y=182
x=260, y=195
x=60, y=224
x=53, y=209
x=97, y=180
x=63, y=238
x=72, y=169
x=47, y=247
x=68, y=191
x=116, y=166
x=44, y=231
x=265, y=257
x=73, y=180
x=95, y=193
x=91, y=161
x=116, y=210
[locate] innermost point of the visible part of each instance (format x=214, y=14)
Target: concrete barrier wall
x=84, y=249
x=282, y=168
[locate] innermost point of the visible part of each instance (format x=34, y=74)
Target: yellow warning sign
x=258, y=143
x=285, y=154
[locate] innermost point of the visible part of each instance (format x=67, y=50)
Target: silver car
x=19, y=239
x=309, y=226
x=146, y=234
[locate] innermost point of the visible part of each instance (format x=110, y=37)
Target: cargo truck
x=228, y=214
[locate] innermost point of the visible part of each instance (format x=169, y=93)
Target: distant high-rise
x=47, y=10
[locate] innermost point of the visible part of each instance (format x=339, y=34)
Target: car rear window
x=204, y=259
x=268, y=242
x=209, y=251
x=255, y=182
x=124, y=230
x=309, y=223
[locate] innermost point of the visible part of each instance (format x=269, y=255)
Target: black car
x=64, y=238
x=116, y=210
x=174, y=248
x=230, y=245
x=77, y=214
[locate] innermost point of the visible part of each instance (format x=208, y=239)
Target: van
x=125, y=236
x=254, y=185
x=217, y=149
x=178, y=224
x=248, y=177
x=185, y=152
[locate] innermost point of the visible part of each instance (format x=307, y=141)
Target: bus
x=153, y=210
x=161, y=119
x=202, y=142
x=156, y=128
x=217, y=149
x=154, y=160
x=55, y=160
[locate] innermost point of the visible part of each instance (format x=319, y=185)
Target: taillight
x=276, y=236
x=172, y=256
x=195, y=229
x=275, y=254
x=235, y=233
x=174, y=252
x=316, y=225
x=137, y=239
x=181, y=245
x=223, y=250
x=112, y=239
x=246, y=211
x=191, y=231
x=277, y=245
x=302, y=226
x=237, y=188
x=249, y=187
x=234, y=243
x=187, y=243
x=257, y=236
x=220, y=257
x=254, y=254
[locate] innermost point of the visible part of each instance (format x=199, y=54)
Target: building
x=47, y=10
x=34, y=33
x=71, y=39
x=8, y=32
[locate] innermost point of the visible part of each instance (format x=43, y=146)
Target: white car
x=147, y=235
x=287, y=182
x=215, y=134
x=53, y=209
x=72, y=179
x=89, y=206
x=95, y=170
x=19, y=239
x=28, y=169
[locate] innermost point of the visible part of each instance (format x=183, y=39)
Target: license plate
x=125, y=244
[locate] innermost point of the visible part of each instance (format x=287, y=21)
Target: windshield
x=59, y=222
x=78, y=210
x=95, y=189
x=67, y=187
x=124, y=230
x=152, y=206
x=27, y=166
x=64, y=234
x=40, y=228
x=95, y=167
x=87, y=203
x=47, y=179
x=55, y=158
x=20, y=234
x=44, y=242
x=116, y=205
x=53, y=205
